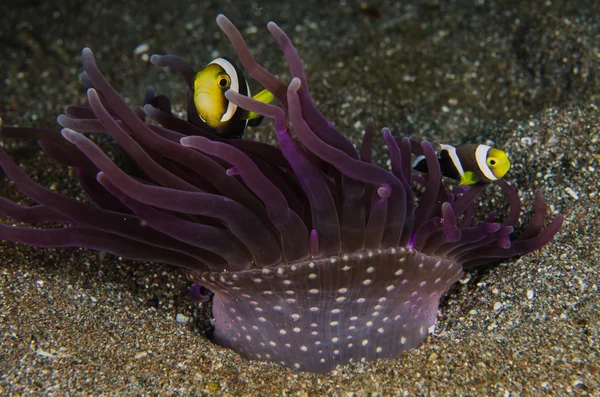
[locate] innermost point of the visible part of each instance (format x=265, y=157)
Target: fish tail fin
x=264, y=96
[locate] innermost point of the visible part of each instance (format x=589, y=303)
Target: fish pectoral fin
x=468, y=178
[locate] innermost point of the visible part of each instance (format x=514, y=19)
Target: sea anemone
x=316, y=256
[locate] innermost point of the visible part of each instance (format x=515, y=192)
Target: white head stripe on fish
x=234, y=85
x=417, y=161
x=454, y=157
x=481, y=158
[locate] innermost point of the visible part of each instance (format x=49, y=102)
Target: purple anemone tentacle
x=352, y=168
x=256, y=149
x=80, y=214
x=313, y=117
x=79, y=112
x=467, y=198
x=324, y=215
x=470, y=235
x=428, y=198
x=398, y=163
x=146, y=137
x=83, y=125
x=423, y=233
x=259, y=73
x=97, y=240
x=294, y=235
x=518, y=247
x=242, y=222
x=468, y=217
x=366, y=147
x=141, y=157
x=539, y=215
x=170, y=122
x=376, y=222
x=65, y=153
x=352, y=213
x=217, y=240
x=514, y=203
x=37, y=213
x=451, y=231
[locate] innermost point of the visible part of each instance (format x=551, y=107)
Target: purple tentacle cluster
x=316, y=257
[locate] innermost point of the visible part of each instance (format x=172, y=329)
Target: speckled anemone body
x=316, y=257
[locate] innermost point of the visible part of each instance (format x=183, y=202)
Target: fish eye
x=224, y=81
x=491, y=161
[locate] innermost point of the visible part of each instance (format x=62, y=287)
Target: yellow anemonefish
x=212, y=106
x=470, y=163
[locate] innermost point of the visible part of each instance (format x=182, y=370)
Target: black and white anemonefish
x=210, y=85
x=470, y=164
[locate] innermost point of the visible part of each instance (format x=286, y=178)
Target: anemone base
x=317, y=315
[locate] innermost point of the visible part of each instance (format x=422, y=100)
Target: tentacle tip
x=294, y=85
x=148, y=108
x=386, y=132
x=69, y=134
x=426, y=145
x=453, y=234
x=60, y=120
x=491, y=227
x=283, y=132
x=155, y=59
x=504, y=242
x=232, y=171
x=92, y=94
x=186, y=140
x=384, y=191
x=223, y=21
x=231, y=96
x=87, y=51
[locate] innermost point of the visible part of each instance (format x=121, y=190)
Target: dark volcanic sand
x=525, y=79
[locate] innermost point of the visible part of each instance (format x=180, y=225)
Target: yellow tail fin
x=263, y=96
